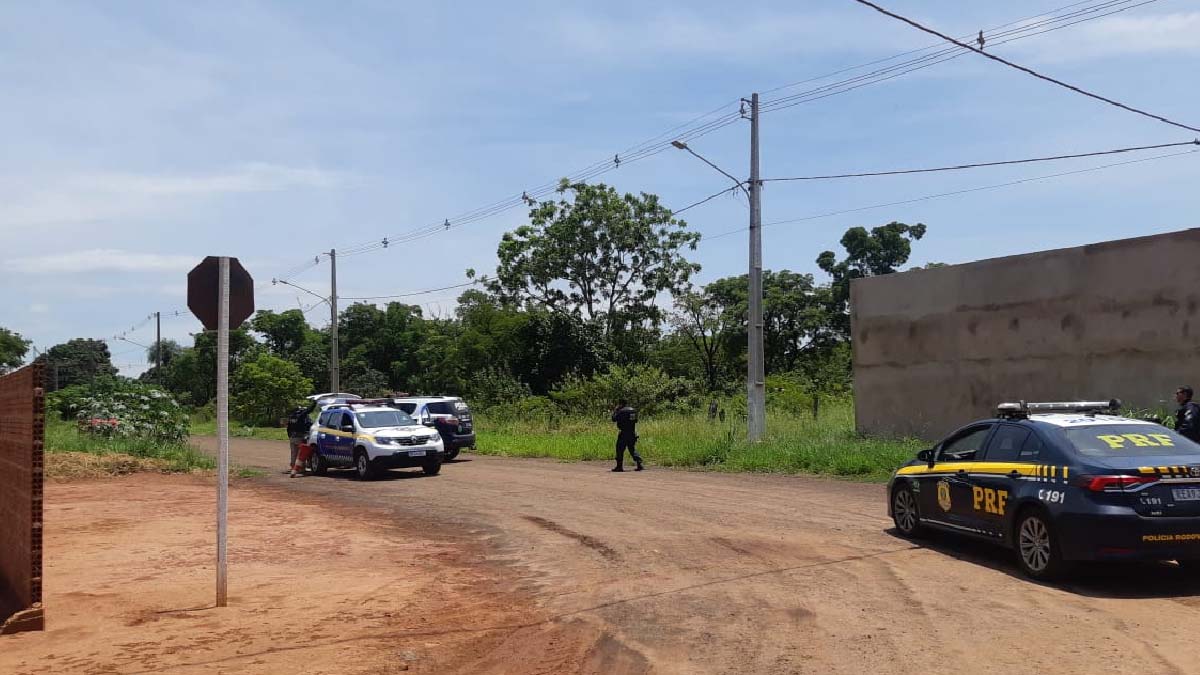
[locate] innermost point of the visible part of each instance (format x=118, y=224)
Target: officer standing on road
x=626, y=418
x=1187, y=418
x=298, y=425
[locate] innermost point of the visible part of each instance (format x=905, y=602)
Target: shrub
x=118, y=408
x=646, y=388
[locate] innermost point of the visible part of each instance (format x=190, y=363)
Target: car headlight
x=384, y=441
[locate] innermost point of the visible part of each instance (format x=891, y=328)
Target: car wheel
x=451, y=454
x=432, y=467
x=1036, y=543
x=316, y=464
x=904, y=511
x=362, y=466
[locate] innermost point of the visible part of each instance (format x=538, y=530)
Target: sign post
x=222, y=428
x=221, y=295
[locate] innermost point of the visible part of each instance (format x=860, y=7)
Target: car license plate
x=421, y=453
x=1186, y=494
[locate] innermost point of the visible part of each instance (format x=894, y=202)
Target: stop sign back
x=204, y=287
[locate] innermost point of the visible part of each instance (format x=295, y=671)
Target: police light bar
x=1024, y=408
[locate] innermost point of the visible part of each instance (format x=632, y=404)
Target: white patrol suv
x=370, y=437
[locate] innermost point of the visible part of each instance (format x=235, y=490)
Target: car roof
x=1068, y=420
x=425, y=399
x=363, y=408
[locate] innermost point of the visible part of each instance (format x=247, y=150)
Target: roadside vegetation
x=795, y=443
x=115, y=427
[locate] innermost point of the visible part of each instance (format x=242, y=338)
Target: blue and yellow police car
x=1058, y=483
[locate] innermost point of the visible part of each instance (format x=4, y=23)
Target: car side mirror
x=349, y=428
x=926, y=456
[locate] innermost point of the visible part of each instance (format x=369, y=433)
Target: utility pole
x=756, y=392
x=158, y=347
x=334, y=379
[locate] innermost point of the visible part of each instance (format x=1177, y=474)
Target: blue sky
x=140, y=137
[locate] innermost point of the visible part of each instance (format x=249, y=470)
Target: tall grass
x=794, y=443
x=62, y=437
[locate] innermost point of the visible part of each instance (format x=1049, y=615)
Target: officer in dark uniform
x=298, y=425
x=626, y=420
x=1187, y=418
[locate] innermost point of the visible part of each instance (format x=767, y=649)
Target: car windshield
x=1129, y=440
x=375, y=419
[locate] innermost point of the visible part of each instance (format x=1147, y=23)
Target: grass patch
x=70, y=454
x=238, y=430
x=794, y=443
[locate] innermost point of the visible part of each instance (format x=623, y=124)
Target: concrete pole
x=158, y=347
x=334, y=376
x=222, y=428
x=756, y=393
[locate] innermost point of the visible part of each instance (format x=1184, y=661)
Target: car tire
x=1035, y=541
x=451, y=454
x=362, y=465
x=316, y=464
x=905, y=513
x=432, y=467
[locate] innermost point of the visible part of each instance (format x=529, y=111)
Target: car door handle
x=1014, y=474
x=962, y=473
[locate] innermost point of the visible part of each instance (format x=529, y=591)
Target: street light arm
x=288, y=283
x=684, y=146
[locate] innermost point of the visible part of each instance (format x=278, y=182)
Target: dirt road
x=684, y=572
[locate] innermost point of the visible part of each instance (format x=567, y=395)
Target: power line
x=977, y=165
x=940, y=195
x=707, y=199
x=949, y=54
x=695, y=129
x=410, y=293
x=1028, y=71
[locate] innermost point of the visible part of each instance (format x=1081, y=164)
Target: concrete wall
x=22, y=427
x=934, y=349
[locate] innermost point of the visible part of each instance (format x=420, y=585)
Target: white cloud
x=99, y=197
x=39, y=308
x=1118, y=36
x=100, y=260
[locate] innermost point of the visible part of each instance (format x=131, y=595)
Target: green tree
x=169, y=348
x=702, y=320
x=284, y=332
x=76, y=361
x=367, y=382
x=597, y=255
x=881, y=251
x=13, y=348
x=265, y=388
x=795, y=313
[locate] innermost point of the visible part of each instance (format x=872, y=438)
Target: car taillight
x=1114, y=483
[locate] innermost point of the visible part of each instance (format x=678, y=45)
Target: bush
x=496, y=387
x=646, y=388
x=119, y=408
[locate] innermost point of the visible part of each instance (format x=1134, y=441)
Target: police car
x=368, y=437
x=1058, y=483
